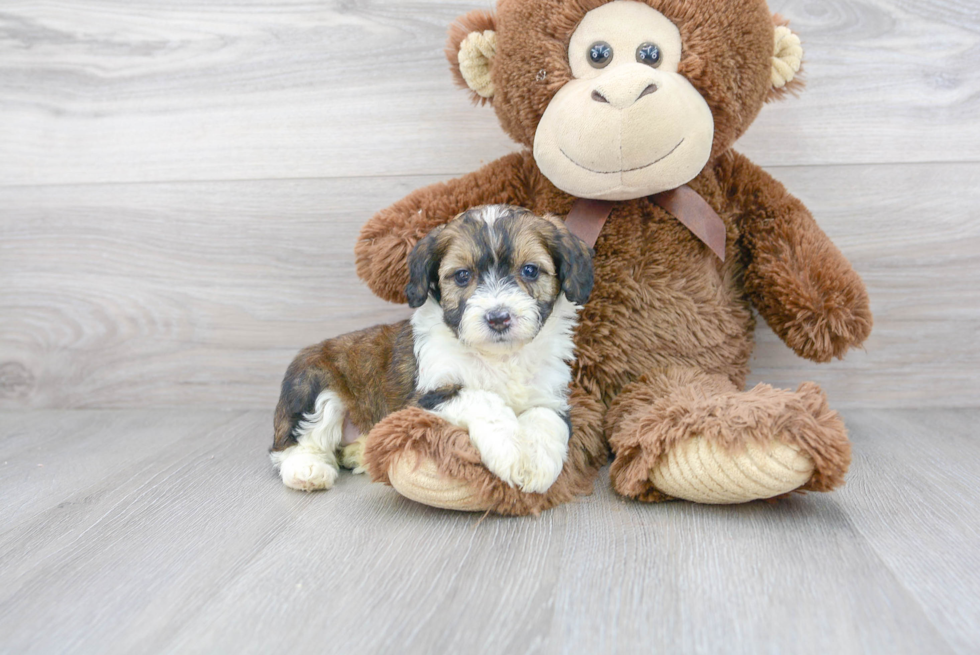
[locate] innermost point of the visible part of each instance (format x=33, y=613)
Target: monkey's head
x=621, y=99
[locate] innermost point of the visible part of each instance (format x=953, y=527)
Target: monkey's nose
x=651, y=88
x=498, y=320
x=624, y=86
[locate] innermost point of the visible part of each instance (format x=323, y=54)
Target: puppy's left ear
x=423, y=270
x=573, y=261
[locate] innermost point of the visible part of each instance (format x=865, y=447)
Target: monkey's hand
x=386, y=239
x=796, y=277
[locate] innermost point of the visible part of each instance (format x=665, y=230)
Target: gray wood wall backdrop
x=181, y=183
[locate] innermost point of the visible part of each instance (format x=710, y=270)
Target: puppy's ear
x=423, y=270
x=573, y=261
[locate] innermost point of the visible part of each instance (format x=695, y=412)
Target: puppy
x=496, y=292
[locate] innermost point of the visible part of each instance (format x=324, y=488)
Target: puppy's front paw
x=543, y=438
x=536, y=473
x=307, y=471
x=492, y=426
x=497, y=442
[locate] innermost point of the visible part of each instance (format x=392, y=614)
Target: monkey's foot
x=733, y=447
x=701, y=471
x=419, y=479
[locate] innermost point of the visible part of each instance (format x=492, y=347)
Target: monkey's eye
x=600, y=54
x=649, y=54
x=529, y=272
x=462, y=277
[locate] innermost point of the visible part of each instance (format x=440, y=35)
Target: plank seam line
x=441, y=175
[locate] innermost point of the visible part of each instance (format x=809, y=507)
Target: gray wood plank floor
x=166, y=531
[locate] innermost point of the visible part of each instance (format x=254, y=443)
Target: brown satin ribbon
x=696, y=214
x=586, y=218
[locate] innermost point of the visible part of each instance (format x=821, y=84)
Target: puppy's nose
x=498, y=319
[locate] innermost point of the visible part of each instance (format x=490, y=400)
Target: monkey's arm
x=796, y=277
x=384, y=243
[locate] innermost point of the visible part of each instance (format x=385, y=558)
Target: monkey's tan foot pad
x=701, y=471
x=420, y=480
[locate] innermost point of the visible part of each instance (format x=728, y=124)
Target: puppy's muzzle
x=499, y=320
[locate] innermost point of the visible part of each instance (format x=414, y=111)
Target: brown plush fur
x=665, y=339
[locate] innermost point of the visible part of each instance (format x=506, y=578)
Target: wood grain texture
x=123, y=91
x=200, y=294
x=913, y=495
x=193, y=545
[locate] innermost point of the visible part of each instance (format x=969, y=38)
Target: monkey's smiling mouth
x=626, y=170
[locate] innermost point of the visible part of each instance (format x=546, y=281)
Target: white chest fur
x=536, y=375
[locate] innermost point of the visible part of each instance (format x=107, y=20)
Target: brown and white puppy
x=497, y=291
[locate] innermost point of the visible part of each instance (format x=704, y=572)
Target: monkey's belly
x=645, y=320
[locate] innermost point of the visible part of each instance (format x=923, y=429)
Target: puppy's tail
x=305, y=378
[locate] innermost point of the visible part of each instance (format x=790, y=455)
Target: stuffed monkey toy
x=628, y=110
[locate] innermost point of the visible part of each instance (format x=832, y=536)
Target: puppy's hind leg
x=312, y=464
x=308, y=424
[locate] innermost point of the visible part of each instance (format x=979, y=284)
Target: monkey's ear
x=573, y=260
x=787, y=61
x=423, y=270
x=470, y=50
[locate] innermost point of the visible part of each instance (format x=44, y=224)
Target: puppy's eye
x=649, y=54
x=462, y=277
x=600, y=54
x=529, y=272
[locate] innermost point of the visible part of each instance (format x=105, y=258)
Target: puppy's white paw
x=497, y=442
x=543, y=438
x=492, y=426
x=537, y=472
x=307, y=471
